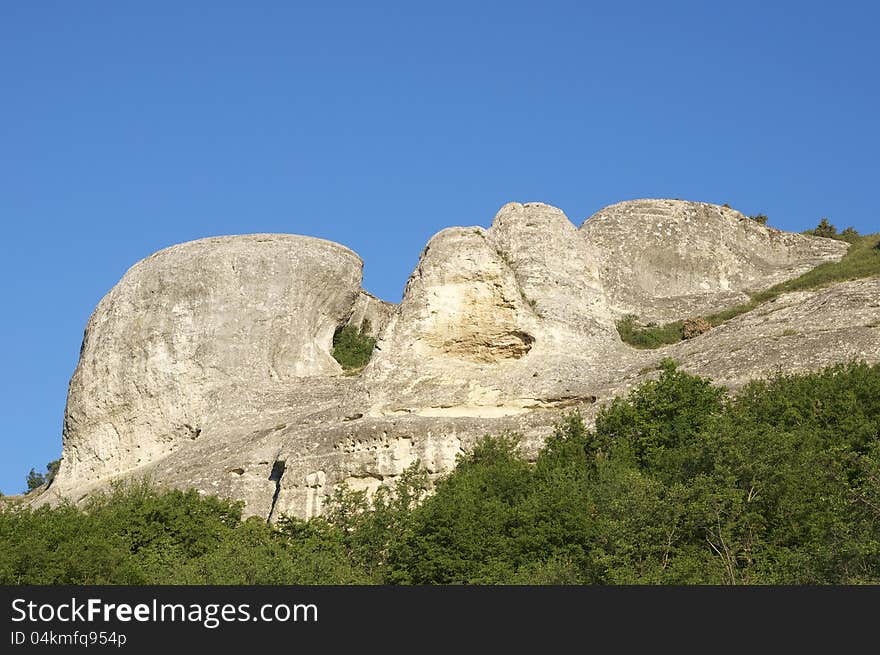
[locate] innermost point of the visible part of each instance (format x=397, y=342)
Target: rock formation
x=169, y=347
x=208, y=365
x=668, y=259
x=495, y=322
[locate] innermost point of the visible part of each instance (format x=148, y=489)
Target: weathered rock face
x=370, y=314
x=557, y=271
x=167, y=347
x=208, y=365
x=797, y=332
x=495, y=322
x=669, y=259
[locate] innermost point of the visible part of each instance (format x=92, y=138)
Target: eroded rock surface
x=797, y=332
x=168, y=349
x=669, y=259
x=370, y=314
x=496, y=322
x=208, y=365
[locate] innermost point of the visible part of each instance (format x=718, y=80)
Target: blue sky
x=127, y=127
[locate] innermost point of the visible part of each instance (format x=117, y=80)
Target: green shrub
x=850, y=235
x=352, y=347
x=137, y=533
x=862, y=260
x=649, y=336
x=656, y=425
x=35, y=479
x=825, y=229
x=678, y=483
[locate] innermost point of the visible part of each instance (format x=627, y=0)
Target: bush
x=656, y=425
x=353, y=347
x=649, y=336
x=860, y=261
x=825, y=229
x=138, y=533
x=35, y=480
x=678, y=483
x=850, y=235
x=694, y=327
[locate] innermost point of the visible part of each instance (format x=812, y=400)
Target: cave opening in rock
x=275, y=476
x=277, y=470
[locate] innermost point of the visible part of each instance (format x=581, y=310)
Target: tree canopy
x=679, y=483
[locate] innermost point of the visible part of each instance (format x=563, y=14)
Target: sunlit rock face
x=668, y=259
x=209, y=364
x=166, y=348
x=495, y=322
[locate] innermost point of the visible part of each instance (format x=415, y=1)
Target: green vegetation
x=824, y=229
x=651, y=335
x=353, y=347
x=138, y=534
x=849, y=235
x=35, y=479
x=759, y=218
x=829, y=231
x=680, y=483
x=862, y=260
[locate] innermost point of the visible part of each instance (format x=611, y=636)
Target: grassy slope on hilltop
x=861, y=261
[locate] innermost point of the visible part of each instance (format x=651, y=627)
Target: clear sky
x=127, y=127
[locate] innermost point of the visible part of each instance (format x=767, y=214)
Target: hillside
x=210, y=365
x=680, y=482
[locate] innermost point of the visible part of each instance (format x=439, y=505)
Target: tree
x=850, y=234
x=52, y=469
x=678, y=483
x=467, y=531
x=35, y=480
x=825, y=229
x=759, y=218
x=658, y=426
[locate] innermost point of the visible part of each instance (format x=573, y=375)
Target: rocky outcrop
x=208, y=366
x=168, y=350
x=496, y=322
x=669, y=259
x=369, y=314
x=795, y=333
